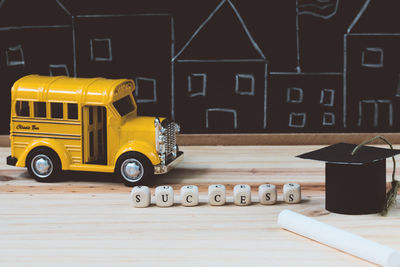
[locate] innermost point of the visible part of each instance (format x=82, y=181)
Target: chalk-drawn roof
x=114, y=7
x=222, y=36
x=377, y=17
x=32, y=13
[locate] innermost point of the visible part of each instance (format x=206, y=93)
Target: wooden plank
x=88, y=218
x=281, y=139
x=4, y=140
x=267, y=139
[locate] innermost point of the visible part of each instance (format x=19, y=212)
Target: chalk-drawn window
x=58, y=70
x=327, y=97
x=297, y=120
x=100, y=50
x=15, y=56
x=244, y=84
x=372, y=57
x=146, y=90
x=221, y=118
x=197, y=83
x=294, y=95
x=328, y=119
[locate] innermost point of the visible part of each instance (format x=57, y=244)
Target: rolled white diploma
x=339, y=239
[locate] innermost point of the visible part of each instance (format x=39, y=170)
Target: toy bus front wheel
x=134, y=168
x=43, y=164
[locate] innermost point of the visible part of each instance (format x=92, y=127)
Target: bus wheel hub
x=132, y=170
x=42, y=165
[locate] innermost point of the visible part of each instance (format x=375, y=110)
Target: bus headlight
x=160, y=138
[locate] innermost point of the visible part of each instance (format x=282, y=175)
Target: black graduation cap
x=355, y=184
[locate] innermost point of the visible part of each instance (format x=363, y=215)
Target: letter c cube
x=189, y=195
x=216, y=195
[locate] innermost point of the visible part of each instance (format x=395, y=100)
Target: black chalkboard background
x=220, y=66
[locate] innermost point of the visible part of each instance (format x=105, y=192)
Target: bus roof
x=91, y=91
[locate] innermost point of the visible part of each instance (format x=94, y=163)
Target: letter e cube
x=242, y=195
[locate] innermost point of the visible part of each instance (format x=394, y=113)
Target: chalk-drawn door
x=94, y=133
x=375, y=114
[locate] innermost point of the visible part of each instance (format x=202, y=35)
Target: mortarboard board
x=354, y=184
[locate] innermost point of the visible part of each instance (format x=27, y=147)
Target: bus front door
x=94, y=135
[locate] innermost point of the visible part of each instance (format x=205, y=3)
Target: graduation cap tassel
x=392, y=193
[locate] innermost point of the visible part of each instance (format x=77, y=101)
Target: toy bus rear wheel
x=43, y=164
x=134, y=168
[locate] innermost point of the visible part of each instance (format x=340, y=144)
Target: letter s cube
x=216, y=195
x=189, y=195
x=267, y=194
x=164, y=196
x=292, y=193
x=141, y=196
x=242, y=195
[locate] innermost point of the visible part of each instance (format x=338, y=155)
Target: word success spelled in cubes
x=189, y=195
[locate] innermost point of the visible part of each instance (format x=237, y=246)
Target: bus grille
x=170, y=135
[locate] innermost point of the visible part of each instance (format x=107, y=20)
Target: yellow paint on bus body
x=79, y=118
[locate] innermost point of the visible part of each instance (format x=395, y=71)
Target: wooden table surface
x=88, y=219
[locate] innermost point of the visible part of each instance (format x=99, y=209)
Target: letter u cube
x=164, y=196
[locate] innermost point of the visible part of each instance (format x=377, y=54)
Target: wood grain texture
x=87, y=219
x=281, y=139
x=267, y=139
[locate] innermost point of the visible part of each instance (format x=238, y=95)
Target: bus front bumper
x=161, y=169
x=11, y=161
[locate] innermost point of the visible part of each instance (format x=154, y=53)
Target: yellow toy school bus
x=81, y=124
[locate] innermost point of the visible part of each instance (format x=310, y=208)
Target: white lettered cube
x=292, y=193
x=216, y=195
x=141, y=196
x=164, y=196
x=242, y=194
x=267, y=194
x=189, y=195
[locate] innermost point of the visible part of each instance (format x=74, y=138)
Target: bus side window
x=57, y=110
x=72, y=111
x=90, y=115
x=39, y=109
x=22, y=108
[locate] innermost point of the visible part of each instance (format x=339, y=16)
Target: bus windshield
x=124, y=105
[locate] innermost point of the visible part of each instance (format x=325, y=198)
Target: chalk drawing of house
x=220, y=76
x=113, y=40
x=32, y=42
x=372, y=68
